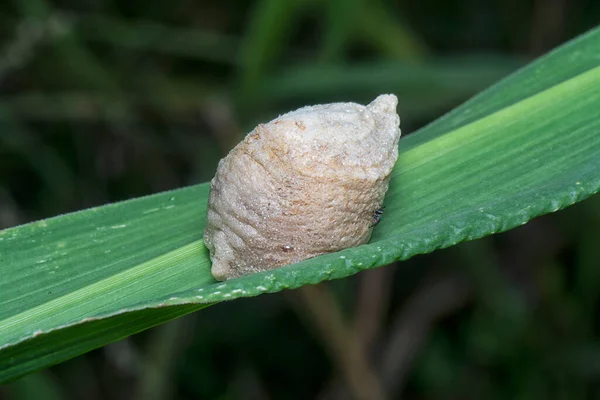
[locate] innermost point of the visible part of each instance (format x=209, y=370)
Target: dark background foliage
x=105, y=100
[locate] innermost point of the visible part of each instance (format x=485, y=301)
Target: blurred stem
x=392, y=37
x=340, y=340
x=162, y=354
x=40, y=385
x=341, y=19
x=373, y=302
x=80, y=62
x=493, y=288
x=547, y=25
x=219, y=116
x=151, y=36
x=10, y=212
x=481, y=264
x=588, y=276
x=267, y=32
x=413, y=324
x=44, y=159
x=246, y=384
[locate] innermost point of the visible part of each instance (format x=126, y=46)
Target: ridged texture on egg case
x=304, y=184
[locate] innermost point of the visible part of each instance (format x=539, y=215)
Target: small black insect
x=376, y=218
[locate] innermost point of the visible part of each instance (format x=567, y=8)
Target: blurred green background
x=106, y=100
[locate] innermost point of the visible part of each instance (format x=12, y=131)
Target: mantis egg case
x=304, y=184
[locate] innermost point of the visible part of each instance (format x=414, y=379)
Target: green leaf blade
x=527, y=146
